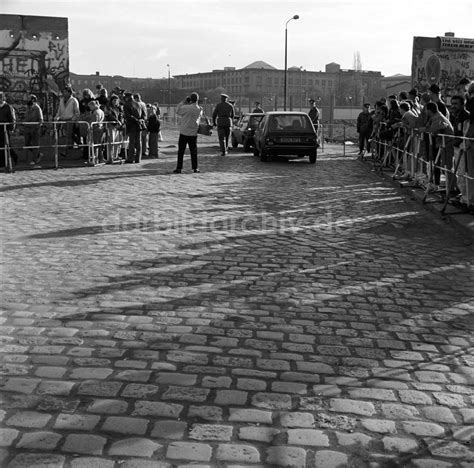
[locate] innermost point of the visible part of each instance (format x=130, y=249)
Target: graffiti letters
x=18, y=65
x=56, y=50
x=453, y=65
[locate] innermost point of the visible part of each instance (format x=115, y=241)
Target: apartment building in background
x=265, y=83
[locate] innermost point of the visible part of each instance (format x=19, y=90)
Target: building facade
x=262, y=82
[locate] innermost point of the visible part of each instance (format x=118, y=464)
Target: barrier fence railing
x=416, y=158
x=100, y=141
x=436, y=163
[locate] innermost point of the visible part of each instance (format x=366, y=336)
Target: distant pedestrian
x=314, y=116
x=190, y=114
x=223, y=117
x=258, y=108
x=153, y=131
x=68, y=112
x=364, y=128
x=32, y=128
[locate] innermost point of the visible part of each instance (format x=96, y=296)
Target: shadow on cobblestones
x=254, y=315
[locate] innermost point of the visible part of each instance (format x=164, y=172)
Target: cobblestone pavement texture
x=253, y=315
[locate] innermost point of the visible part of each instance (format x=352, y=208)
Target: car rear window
x=290, y=122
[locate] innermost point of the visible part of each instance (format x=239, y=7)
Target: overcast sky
x=140, y=37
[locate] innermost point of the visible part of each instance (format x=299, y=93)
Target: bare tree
x=357, y=62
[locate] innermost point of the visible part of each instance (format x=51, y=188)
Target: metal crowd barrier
x=420, y=159
x=98, y=136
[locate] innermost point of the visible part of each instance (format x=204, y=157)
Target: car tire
x=312, y=157
x=263, y=155
x=234, y=142
x=246, y=146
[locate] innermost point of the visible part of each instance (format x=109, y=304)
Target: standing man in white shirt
x=190, y=113
x=68, y=112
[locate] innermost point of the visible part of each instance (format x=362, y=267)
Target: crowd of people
x=120, y=126
x=393, y=119
x=116, y=125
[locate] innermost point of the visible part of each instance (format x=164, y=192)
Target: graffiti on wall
x=37, y=64
x=442, y=60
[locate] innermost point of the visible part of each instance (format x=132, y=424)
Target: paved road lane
x=256, y=314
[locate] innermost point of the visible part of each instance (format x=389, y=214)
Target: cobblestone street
x=278, y=314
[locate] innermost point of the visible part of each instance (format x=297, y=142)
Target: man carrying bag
x=190, y=113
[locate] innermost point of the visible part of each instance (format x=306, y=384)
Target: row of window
x=197, y=83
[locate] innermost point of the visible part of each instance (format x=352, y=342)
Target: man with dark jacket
x=222, y=117
x=363, y=129
x=135, y=118
x=7, y=116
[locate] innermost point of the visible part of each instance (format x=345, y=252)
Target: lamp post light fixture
x=169, y=89
x=295, y=17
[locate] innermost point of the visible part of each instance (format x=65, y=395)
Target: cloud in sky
x=122, y=37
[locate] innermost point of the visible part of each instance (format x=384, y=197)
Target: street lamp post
x=295, y=17
x=169, y=89
x=301, y=88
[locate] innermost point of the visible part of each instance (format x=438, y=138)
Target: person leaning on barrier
x=413, y=96
x=469, y=198
x=437, y=125
x=87, y=96
x=470, y=99
x=462, y=87
x=96, y=118
x=114, y=118
x=409, y=119
x=31, y=130
x=435, y=96
x=7, y=116
x=459, y=118
x=68, y=112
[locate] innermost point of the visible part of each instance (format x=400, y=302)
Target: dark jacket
x=133, y=112
x=363, y=122
x=314, y=115
x=153, y=124
x=114, y=114
x=223, y=114
x=7, y=115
